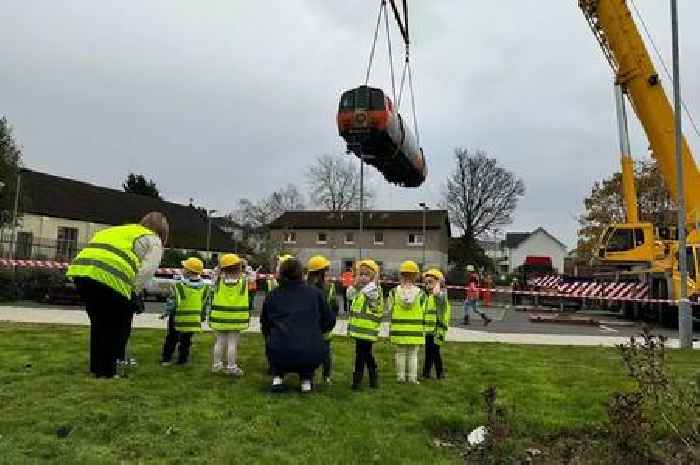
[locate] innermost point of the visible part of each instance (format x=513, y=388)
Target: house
x=517, y=247
x=230, y=227
x=388, y=236
x=60, y=215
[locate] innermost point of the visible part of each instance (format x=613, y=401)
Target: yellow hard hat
x=369, y=263
x=194, y=265
x=435, y=273
x=283, y=258
x=409, y=266
x=318, y=262
x=229, y=259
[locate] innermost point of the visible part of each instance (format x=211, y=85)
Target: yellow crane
x=636, y=248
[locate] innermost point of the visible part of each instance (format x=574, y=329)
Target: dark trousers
x=126, y=334
x=432, y=357
x=174, y=338
x=346, y=305
x=363, y=356
x=110, y=316
x=251, y=300
x=328, y=362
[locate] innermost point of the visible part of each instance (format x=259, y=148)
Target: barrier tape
x=612, y=291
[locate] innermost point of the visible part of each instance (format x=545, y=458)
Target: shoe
x=165, y=363
x=306, y=386
x=327, y=380
x=132, y=362
x=234, y=370
x=373, y=378
x=413, y=381
x=487, y=321
x=356, y=381
x=217, y=367
x=277, y=384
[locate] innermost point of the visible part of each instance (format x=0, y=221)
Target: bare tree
x=334, y=183
x=267, y=209
x=480, y=195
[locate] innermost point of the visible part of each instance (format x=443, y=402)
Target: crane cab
x=628, y=245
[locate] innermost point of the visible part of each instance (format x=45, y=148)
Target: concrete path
x=152, y=320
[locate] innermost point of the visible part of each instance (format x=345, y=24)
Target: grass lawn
x=51, y=411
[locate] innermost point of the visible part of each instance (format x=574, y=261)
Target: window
x=379, y=238
x=322, y=238
x=67, y=243
x=24, y=245
x=415, y=239
x=621, y=240
x=638, y=237
x=347, y=101
x=349, y=238
x=290, y=237
x=376, y=100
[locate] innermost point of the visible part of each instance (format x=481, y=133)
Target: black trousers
x=110, y=316
x=363, y=356
x=173, y=339
x=126, y=334
x=432, y=357
x=328, y=362
x=251, y=300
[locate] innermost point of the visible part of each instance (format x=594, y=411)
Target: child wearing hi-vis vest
x=366, y=311
x=229, y=313
x=317, y=268
x=407, y=331
x=437, y=321
x=184, y=307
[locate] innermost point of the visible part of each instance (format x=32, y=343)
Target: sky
x=218, y=100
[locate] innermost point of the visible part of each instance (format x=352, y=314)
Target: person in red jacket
x=472, y=301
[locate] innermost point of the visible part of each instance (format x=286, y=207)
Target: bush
x=8, y=289
x=29, y=284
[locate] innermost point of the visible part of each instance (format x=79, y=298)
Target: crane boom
x=613, y=26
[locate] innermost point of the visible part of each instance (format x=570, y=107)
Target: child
x=184, y=307
x=472, y=301
x=406, y=302
x=317, y=267
x=230, y=313
x=365, y=319
x=437, y=320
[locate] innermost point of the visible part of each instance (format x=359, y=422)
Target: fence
x=28, y=247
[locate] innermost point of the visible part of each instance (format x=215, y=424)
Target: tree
x=334, y=183
x=10, y=163
x=137, y=184
x=604, y=205
x=480, y=195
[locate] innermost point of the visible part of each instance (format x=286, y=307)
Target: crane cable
x=663, y=63
x=382, y=6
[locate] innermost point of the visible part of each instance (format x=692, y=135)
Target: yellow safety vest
x=407, y=325
x=364, y=320
x=437, y=317
x=189, y=303
x=109, y=258
x=229, y=308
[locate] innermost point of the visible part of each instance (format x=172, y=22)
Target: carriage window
x=376, y=100
x=347, y=101
x=362, y=98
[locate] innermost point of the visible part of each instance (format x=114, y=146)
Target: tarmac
x=491, y=333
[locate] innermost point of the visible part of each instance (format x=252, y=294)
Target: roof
x=225, y=222
x=373, y=219
x=489, y=244
x=513, y=240
x=47, y=195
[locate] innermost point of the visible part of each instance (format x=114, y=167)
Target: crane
x=635, y=246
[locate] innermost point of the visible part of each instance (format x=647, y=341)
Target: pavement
x=509, y=326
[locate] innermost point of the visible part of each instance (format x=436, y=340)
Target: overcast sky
x=218, y=100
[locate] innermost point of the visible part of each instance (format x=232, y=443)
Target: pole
x=13, y=240
x=424, y=238
x=685, y=324
x=362, y=202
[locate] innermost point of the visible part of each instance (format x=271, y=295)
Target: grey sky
x=218, y=100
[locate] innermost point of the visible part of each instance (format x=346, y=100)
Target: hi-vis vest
x=407, y=326
x=364, y=320
x=109, y=258
x=189, y=303
x=437, y=317
x=229, y=308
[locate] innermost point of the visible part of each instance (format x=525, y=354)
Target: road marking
x=607, y=328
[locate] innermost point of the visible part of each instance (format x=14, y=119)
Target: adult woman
x=109, y=273
x=294, y=318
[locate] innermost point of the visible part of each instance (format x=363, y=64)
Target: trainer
x=109, y=273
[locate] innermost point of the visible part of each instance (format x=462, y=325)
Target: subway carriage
x=371, y=126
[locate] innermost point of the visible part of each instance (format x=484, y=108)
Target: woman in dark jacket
x=293, y=320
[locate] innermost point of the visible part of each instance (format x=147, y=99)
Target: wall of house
x=394, y=249
x=539, y=244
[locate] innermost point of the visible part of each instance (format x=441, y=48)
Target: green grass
x=187, y=415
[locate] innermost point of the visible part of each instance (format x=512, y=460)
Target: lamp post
x=425, y=208
x=209, y=213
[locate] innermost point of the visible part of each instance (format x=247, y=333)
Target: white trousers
x=224, y=340
x=407, y=363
